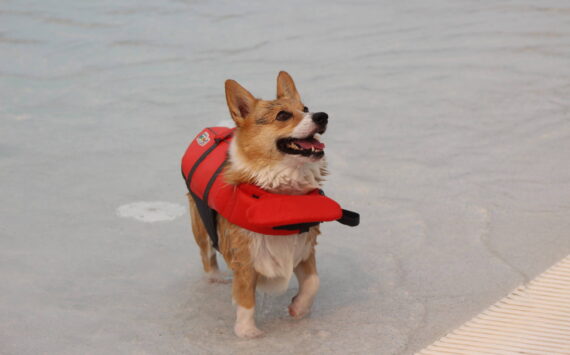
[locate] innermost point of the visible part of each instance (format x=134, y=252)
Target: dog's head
x=269, y=131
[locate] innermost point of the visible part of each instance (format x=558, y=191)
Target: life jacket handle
x=349, y=218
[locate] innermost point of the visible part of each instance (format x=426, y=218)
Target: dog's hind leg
x=207, y=252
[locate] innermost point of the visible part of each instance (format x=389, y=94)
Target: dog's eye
x=283, y=116
x=305, y=109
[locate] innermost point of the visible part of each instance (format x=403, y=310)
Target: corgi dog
x=276, y=146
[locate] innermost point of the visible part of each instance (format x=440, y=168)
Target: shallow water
x=449, y=133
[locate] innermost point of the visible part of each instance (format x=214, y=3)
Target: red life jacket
x=246, y=205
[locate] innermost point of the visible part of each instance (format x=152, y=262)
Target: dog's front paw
x=247, y=331
x=299, y=309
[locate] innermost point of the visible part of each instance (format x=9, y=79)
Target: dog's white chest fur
x=275, y=257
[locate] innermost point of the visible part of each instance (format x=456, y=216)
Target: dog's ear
x=240, y=101
x=286, y=87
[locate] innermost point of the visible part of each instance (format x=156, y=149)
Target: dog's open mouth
x=308, y=147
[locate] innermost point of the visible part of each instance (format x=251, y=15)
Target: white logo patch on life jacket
x=203, y=139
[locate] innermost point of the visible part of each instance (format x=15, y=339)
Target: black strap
x=217, y=141
x=213, y=179
x=301, y=227
x=209, y=219
x=349, y=218
x=213, y=230
x=198, y=162
x=207, y=214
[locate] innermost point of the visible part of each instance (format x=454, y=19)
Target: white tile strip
x=533, y=319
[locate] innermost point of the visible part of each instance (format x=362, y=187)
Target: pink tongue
x=310, y=143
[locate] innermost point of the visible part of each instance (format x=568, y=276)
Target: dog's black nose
x=320, y=118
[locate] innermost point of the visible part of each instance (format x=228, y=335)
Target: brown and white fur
x=263, y=153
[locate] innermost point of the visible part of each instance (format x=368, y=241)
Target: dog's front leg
x=308, y=278
x=244, y=282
